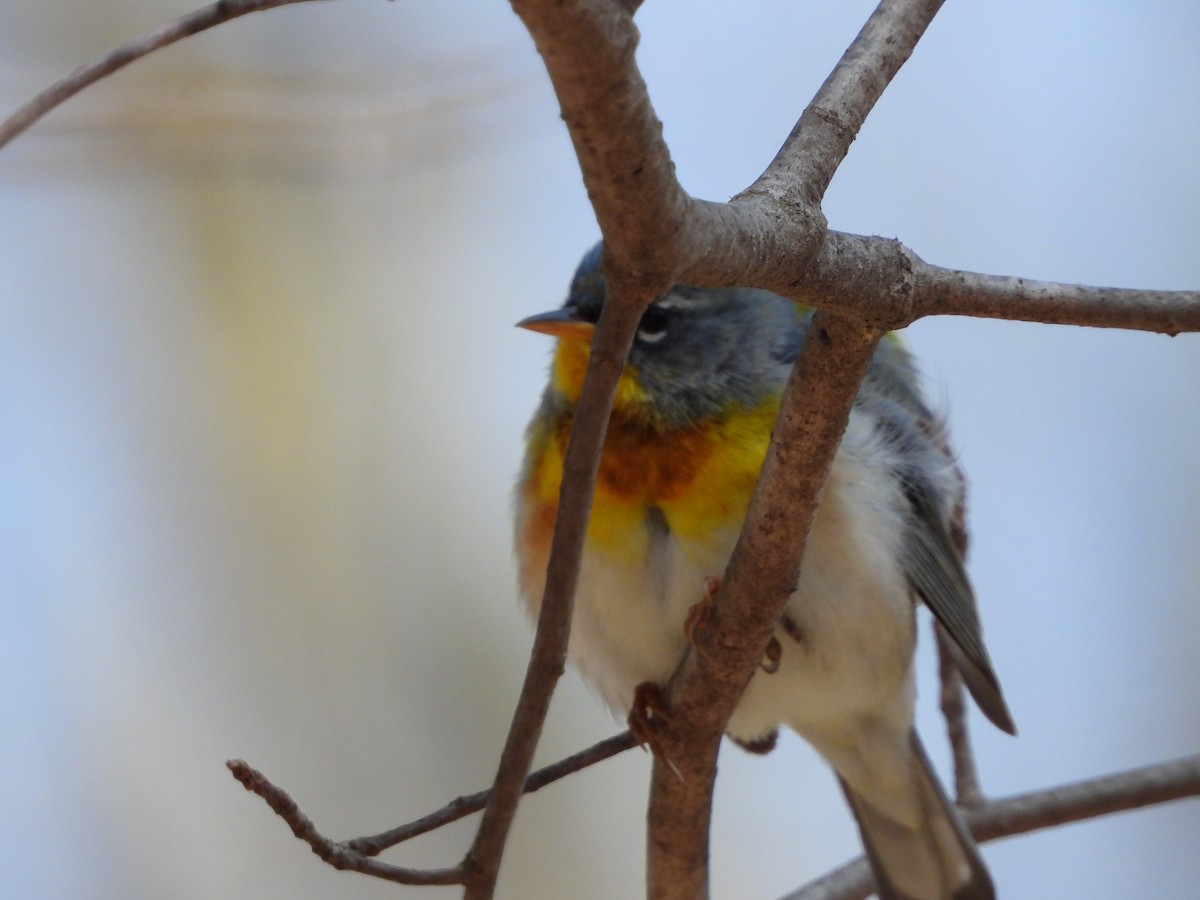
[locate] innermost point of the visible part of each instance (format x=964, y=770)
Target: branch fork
x=771, y=235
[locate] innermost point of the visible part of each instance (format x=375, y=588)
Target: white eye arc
x=653, y=327
x=651, y=337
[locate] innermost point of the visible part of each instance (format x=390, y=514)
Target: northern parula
x=690, y=425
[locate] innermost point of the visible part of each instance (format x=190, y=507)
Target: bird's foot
x=700, y=616
x=649, y=714
x=770, y=658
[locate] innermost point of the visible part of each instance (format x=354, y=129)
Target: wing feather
x=935, y=570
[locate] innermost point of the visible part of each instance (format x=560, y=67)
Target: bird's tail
x=932, y=858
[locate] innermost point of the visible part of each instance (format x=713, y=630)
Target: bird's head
x=698, y=354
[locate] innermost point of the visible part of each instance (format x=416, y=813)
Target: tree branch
x=102, y=66
x=951, y=292
x=329, y=850
x=346, y=854
x=653, y=230
x=1023, y=813
x=803, y=168
x=882, y=281
x=760, y=577
x=954, y=710
x=588, y=49
x=614, y=333
x=772, y=235
x=1119, y=792
x=1133, y=789
x=471, y=803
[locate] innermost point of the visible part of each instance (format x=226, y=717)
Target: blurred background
x=261, y=404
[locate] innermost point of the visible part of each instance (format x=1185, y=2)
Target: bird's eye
x=653, y=327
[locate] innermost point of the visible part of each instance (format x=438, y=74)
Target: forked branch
x=773, y=235
x=357, y=854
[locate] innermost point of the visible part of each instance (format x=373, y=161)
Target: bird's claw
x=647, y=717
x=770, y=658
x=648, y=713
x=700, y=616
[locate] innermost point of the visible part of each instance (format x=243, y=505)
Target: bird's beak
x=559, y=323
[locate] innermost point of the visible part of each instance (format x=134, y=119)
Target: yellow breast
x=700, y=478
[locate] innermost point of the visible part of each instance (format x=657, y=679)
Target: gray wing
x=935, y=571
x=932, y=564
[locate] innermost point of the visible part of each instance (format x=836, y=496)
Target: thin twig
x=471, y=803
x=356, y=853
x=1118, y=792
x=102, y=66
x=622, y=310
x=954, y=710
x=849, y=881
x=1023, y=813
x=329, y=850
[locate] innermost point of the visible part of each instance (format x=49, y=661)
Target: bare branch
x=950, y=292
x=588, y=49
x=652, y=231
x=884, y=282
x=806, y=163
x=767, y=235
x=471, y=803
x=337, y=855
x=772, y=235
x=614, y=334
x=1120, y=792
x=356, y=854
x=954, y=710
x=813, y=413
x=761, y=575
x=851, y=881
x=102, y=66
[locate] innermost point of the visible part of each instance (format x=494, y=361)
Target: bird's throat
x=570, y=365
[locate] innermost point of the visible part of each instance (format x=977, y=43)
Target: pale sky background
x=261, y=405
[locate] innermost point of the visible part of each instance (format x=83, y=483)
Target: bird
x=689, y=429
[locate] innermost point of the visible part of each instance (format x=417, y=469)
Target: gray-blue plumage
x=701, y=353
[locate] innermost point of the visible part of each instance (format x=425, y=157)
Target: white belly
x=852, y=610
